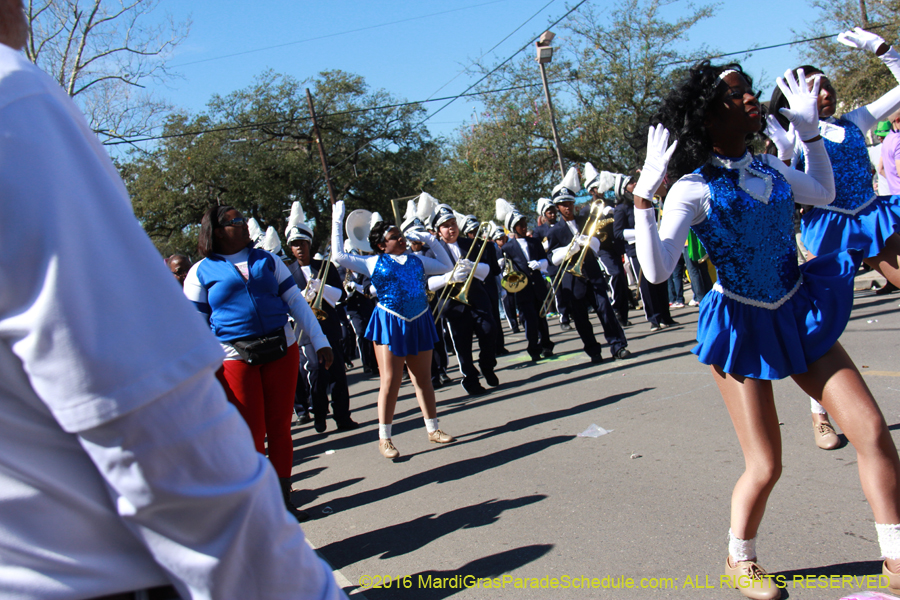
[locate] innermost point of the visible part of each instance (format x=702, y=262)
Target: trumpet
x=460, y=291
x=513, y=281
x=567, y=266
x=316, y=304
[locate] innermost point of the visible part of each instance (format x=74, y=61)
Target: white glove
x=574, y=249
x=416, y=236
x=804, y=111
x=860, y=38
x=338, y=210
x=465, y=263
x=312, y=288
x=534, y=265
x=359, y=287
x=459, y=275
x=657, y=162
x=783, y=140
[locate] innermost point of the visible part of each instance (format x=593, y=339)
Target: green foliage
x=610, y=70
x=262, y=156
x=858, y=76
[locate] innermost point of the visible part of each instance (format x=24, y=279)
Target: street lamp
x=544, y=56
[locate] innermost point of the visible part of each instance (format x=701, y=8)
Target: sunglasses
x=235, y=222
x=393, y=238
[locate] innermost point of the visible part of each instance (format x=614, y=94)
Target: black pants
x=579, y=311
x=359, y=318
x=492, y=287
x=320, y=379
x=466, y=323
x=618, y=282
x=537, y=333
x=655, y=297
x=510, y=305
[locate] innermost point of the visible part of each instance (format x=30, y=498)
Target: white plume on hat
x=376, y=218
x=410, y=217
x=297, y=229
x=568, y=188
x=507, y=213
x=256, y=232
x=426, y=206
x=271, y=241
x=591, y=177
x=542, y=205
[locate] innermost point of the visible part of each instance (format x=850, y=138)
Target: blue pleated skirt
x=403, y=337
x=765, y=343
x=825, y=231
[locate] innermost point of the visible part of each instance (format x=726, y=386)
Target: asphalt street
x=522, y=500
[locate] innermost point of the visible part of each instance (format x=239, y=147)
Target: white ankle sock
x=384, y=431
x=889, y=540
x=431, y=425
x=741, y=550
x=815, y=407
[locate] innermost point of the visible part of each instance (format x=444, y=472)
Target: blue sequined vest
x=401, y=287
x=852, y=170
x=751, y=242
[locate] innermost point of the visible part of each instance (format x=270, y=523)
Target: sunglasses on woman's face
x=235, y=222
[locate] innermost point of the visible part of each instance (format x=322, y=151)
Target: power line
x=260, y=125
x=330, y=35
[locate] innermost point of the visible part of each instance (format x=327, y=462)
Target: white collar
x=745, y=168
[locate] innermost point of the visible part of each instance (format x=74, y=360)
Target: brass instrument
x=316, y=305
x=589, y=229
x=460, y=291
x=513, y=281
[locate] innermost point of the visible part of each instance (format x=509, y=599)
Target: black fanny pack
x=262, y=350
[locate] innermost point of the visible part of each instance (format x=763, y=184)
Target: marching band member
x=565, y=242
x=401, y=326
x=527, y=256
x=611, y=249
x=474, y=319
x=306, y=272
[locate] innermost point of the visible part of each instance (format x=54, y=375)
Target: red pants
x=264, y=395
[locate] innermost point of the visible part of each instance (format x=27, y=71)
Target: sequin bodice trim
x=401, y=287
x=750, y=240
x=852, y=175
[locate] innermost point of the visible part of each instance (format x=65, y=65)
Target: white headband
x=725, y=73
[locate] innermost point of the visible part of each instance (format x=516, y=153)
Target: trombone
x=460, y=291
x=567, y=265
x=316, y=304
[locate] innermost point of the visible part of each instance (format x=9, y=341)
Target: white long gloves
x=860, y=38
x=804, y=111
x=783, y=140
x=657, y=162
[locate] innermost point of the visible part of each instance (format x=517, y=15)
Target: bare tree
x=103, y=53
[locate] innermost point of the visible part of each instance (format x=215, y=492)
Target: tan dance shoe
x=387, y=449
x=893, y=578
x=826, y=438
x=751, y=580
x=439, y=437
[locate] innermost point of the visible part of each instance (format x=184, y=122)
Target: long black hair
x=685, y=110
x=377, y=235
x=778, y=101
x=206, y=241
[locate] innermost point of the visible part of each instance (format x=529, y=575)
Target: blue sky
x=414, y=53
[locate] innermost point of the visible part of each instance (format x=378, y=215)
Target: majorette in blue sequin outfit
x=766, y=317
x=857, y=218
x=401, y=319
x=769, y=317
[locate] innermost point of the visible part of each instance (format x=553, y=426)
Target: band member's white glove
x=459, y=275
x=359, y=287
x=783, y=140
x=860, y=38
x=338, y=211
x=312, y=288
x=657, y=162
x=416, y=236
x=534, y=265
x=574, y=248
x=804, y=111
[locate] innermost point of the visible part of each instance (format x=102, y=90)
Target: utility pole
x=544, y=56
x=865, y=14
x=312, y=112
